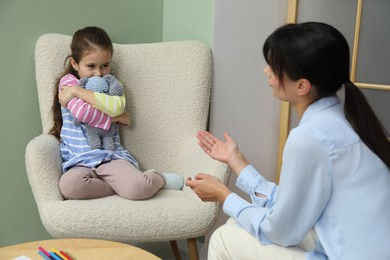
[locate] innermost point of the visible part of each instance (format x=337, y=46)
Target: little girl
x=94, y=173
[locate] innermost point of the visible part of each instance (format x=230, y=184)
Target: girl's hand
x=123, y=119
x=66, y=94
x=208, y=188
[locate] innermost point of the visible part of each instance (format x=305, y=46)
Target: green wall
x=21, y=23
x=189, y=19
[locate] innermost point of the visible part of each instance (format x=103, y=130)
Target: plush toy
x=97, y=137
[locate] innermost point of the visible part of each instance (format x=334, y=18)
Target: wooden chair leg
x=192, y=249
x=175, y=249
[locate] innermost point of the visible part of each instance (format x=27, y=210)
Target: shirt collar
x=318, y=106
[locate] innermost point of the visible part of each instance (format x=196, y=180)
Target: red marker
x=66, y=255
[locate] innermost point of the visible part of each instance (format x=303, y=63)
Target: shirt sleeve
x=111, y=105
x=289, y=211
x=82, y=111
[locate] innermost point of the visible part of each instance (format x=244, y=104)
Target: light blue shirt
x=331, y=181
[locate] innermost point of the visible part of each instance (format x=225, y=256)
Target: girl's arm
x=111, y=105
x=79, y=102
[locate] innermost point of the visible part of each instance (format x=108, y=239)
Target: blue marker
x=54, y=256
x=43, y=255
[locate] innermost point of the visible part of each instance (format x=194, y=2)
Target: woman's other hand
x=208, y=188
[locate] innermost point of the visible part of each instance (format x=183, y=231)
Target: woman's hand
x=208, y=188
x=224, y=151
x=216, y=148
x=123, y=119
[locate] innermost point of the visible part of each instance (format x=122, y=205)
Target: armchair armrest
x=43, y=166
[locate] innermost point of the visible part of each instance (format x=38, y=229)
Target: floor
x=163, y=249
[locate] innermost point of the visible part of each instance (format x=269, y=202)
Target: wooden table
x=78, y=249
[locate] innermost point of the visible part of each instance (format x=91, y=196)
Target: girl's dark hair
x=83, y=41
x=319, y=53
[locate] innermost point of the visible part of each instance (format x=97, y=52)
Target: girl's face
x=285, y=91
x=96, y=62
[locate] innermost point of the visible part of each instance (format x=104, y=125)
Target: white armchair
x=167, y=88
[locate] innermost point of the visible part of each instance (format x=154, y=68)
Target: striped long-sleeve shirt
x=101, y=114
x=75, y=149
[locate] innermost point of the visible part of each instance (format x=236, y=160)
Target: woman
x=335, y=175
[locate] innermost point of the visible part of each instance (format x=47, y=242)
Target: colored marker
x=54, y=256
x=57, y=253
x=43, y=255
x=66, y=255
x=44, y=251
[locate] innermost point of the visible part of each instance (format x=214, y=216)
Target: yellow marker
x=58, y=253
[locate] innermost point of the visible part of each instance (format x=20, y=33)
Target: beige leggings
x=233, y=242
x=116, y=177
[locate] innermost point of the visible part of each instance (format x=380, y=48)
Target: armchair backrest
x=167, y=88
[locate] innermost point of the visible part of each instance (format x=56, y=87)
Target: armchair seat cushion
x=170, y=215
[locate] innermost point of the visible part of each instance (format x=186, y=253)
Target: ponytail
x=365, y=123
x=56, y=112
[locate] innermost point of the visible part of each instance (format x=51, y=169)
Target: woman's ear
x=304, y=87
x=74, y=64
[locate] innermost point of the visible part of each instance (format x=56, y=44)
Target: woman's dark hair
x=319, y=53
x=83, y=41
